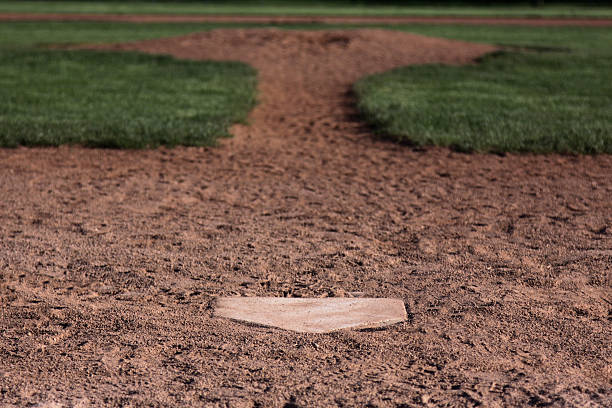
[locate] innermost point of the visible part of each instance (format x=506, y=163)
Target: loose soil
x=110, y=260
x=161, y=18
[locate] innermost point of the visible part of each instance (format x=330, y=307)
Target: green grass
x=578, y=74
x=111, y=99
x=584, y=40
x=306, y=8
x=522, y=101
x=28, y=34
x=119, y=100
x=509, y=102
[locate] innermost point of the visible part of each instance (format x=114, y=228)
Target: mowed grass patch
x=508, y=102
x=119, y=100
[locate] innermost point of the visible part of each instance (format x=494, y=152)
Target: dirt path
x=157, y=18
x=109, y=260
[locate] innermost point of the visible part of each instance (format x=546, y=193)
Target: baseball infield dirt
x=110, y=260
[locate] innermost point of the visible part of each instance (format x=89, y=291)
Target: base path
x=161, y=18
x=110, y=261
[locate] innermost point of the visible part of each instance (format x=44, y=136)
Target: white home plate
x=312, y=315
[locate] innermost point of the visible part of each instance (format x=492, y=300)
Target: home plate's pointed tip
x=312, y=315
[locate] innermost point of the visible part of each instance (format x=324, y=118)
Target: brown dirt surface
x=164, y=18
x=110, y=260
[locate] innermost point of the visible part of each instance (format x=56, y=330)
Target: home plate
x=312, y=315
